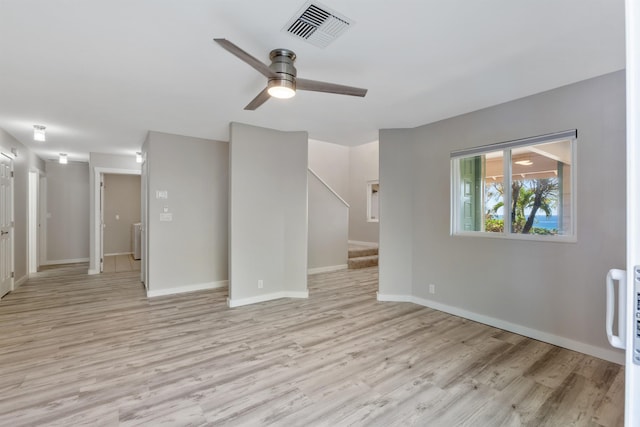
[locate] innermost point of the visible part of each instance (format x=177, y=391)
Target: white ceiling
x=100, y=73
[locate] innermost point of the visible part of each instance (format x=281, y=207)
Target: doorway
x=120, y=216
x=36, y=243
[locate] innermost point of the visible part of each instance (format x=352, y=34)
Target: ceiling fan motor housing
x=282, y=64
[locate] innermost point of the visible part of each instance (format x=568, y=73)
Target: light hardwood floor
x=93, y=350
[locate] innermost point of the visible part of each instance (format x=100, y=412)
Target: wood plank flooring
x=93, y=350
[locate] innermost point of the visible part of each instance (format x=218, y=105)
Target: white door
x=6, y=218
x=632, y=366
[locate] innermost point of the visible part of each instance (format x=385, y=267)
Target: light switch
x=162, y=194
x=166, y=217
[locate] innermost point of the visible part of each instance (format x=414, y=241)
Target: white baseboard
x=20, y=281
x=601, y=353
x=358, y=242
x=187, y=288
x=93, y=271
x=327, y=269
x=268, y=297
x=119, y=253
x=65, y=261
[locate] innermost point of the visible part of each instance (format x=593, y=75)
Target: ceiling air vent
x=317, y=24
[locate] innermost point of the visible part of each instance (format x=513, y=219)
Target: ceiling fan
x=281, y=73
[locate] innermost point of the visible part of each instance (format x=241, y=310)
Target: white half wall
x=268, y=214
x=328, y=228
x=556, y=289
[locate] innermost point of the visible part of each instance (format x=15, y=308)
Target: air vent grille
x=317, y=24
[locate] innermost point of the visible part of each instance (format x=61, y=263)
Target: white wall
x=328, y=228
x=189, y=252
x=67, y=212
x=25, y=162
x=363, y=167
x=268, y=214
x=551, y=291
x=121, y=211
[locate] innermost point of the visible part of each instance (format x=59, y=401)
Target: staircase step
x=363, y=261
x=362, y=252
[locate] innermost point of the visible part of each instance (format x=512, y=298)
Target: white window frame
x=506, y=147
x=370, y=185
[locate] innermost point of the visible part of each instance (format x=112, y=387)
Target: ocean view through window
x=516, y=189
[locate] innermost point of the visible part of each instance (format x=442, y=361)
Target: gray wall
x=550, y=290
x=331, y=163
x=190, y=251
x=67, y=212
x=121, y=211
x=328, y=228
x=363, y=167
x=268, y=214
x=25, y=162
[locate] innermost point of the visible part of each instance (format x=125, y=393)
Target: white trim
x=599, y=352
x=327, y=269
x=370, y=185
x=95, y=231
x=187, y=288
x=357, y=242
x=393, y=298
x=20, y=281
x=328, y=187
x=501, y=146
x=91, y=272
x=263, y=298
x=65, y=261
x=119, y=253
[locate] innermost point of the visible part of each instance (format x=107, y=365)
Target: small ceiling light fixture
x=524, y=162
x=38, y=133
x=63, y=159
x=138, y=157
x=281, y=88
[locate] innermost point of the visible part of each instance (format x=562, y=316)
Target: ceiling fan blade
x=258, y=100
x=246, y=57
x=317, y=86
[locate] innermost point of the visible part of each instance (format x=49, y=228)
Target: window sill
x=514, y=236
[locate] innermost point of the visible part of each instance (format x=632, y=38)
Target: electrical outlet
x=260, y=284
x=432, y=289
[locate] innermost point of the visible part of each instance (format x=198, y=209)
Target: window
x=535, y=201
x=373, y=206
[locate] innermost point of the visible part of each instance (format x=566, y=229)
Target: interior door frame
x=98, y=214
x=12, y=280
x=35, y=220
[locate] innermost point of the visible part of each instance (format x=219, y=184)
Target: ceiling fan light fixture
x=281, y=88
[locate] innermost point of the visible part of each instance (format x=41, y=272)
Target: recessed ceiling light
x=38, y=133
